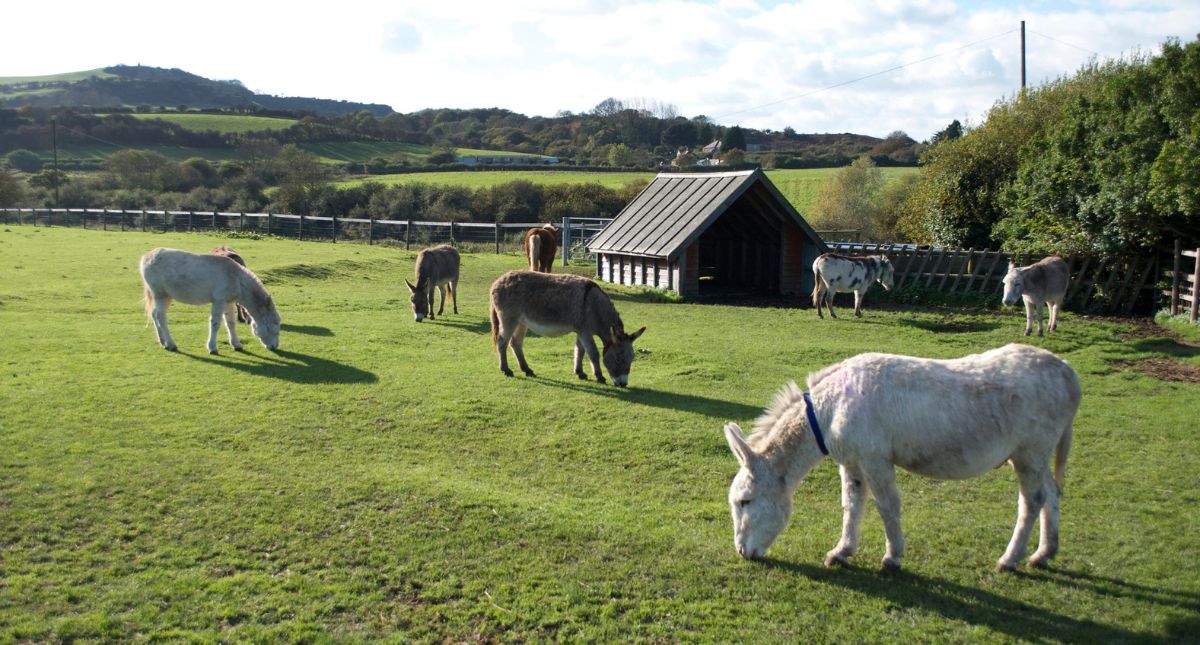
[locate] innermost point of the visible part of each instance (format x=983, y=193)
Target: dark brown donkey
x=552, y=304
x=233, y=255
x=540, y=246
x=437, y=268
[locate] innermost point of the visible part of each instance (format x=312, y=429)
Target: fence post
x=104, y=219
x=214, y=222
x=241, y=221
x=1175, y=276
x=301, y=235
x=370, y=231
x=451, y=232
x=190, y=222
x=335, y=229
x=1196, y=288
x=143, y=220
x=268, y=223
x=566, y=239
x=407, y=233
x=497, y=236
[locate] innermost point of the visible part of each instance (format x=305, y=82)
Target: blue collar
x=812, y=423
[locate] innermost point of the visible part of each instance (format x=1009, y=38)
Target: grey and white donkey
x=437, y=267
x=1042, y=283
x=833, y=274
x=552, y=304
x=945, y=419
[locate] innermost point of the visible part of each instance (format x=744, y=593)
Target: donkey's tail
x=535, y=251
x=816, y=294
x=495, y=325
x=148, y=301
x=1060, y=459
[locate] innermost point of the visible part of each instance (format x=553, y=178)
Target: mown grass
x=379, y=479
x=224, y=123
x=489, y=178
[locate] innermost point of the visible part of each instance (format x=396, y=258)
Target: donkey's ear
x=614, y=334
x=737, y=443
x=410, y=286
x=634, y=335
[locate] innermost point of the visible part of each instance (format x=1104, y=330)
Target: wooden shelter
x=709, y=234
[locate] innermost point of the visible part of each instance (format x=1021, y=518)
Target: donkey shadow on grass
x=1021, y=620
x=289, y=366
x=472, y=326
x=659, y=398
x=311, y=330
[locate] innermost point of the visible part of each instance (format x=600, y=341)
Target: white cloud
x=759, y=63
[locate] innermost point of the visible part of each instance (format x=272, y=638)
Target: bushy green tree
x=24, y=160
x=849, y=198
x=12, y=190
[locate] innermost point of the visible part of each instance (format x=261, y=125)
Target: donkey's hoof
x=171, y=348
x=212, y=352
x=890, y=565
x=600, y=379
x=239, y=349
x=581, y=375
x=529, y=373
x=836, y=560
x=1005, y=567
x=507, y=373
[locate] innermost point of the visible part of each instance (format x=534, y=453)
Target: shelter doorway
x=738, y=257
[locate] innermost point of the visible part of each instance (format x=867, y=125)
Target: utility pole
x=54, y=145
x=1022, y=55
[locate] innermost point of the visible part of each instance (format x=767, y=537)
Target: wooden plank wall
x=1097, y=285
x=1183, y=295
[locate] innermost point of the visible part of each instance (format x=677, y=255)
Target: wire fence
x=476, y=236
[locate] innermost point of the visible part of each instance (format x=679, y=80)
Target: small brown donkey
x=552, y=304
x=437, y=268
x=540, y=246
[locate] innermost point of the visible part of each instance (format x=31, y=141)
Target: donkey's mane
x=788, y=397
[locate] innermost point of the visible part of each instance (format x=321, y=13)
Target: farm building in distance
x=709, y=234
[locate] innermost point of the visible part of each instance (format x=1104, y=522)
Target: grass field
x=380, y=479
x=224, y=123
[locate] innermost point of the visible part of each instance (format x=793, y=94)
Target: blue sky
x=761, y=64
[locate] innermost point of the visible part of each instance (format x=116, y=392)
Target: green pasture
x=379, y=479
x=68, y=77
x=224, y=123
x=488, y=178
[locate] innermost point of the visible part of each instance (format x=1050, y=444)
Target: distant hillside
x=131, y=86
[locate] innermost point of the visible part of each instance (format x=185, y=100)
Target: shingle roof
x=675, y=208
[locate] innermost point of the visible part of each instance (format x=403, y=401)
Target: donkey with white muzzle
x=1041, y=284
x=552, y=304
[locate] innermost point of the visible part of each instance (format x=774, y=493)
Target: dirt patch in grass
x=1164, y=369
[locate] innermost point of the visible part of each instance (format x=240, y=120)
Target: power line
x=1063, y=42
x=872, y=75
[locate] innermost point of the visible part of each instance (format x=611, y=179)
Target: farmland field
x=225, y=123
x=380, y=479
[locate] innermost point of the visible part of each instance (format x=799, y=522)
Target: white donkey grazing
x=195, y=279
x=1043, y=283
x=947, y=419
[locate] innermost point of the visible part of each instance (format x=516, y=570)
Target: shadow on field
x=296, y=367
x=1018, y=619
x=951, y=325
x=660, y=399
x=473, y=326
x=311, y=330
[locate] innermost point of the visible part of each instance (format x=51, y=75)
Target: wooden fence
x=1097, y=285
x=505, y=237
x=1183, y=285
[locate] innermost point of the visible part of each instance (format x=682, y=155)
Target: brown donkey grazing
x=437, y=267
x=553, y=304
x=225, y=251
x=540, y=246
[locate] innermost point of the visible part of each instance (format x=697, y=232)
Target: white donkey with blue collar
x=946, y=419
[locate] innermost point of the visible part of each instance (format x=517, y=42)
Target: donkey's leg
x=442, y=306
x=230, y=315
x=518, y=347
x=503, y=333
x=881, y=479
x=1048, y=542
x=829, y=302
x=853, y=497
x=214, y=321
x=1032, y=480
x=589, y=345
x=857, y=304
x=1053, y=316
x=578, y=358
x=454, y=294
x=820, y=302
x=159, y=316
x=1030, y=313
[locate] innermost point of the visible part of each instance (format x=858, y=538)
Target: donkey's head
x=1014, y=285
x=886, y=272
x=618, y=354
x=759, y=499
x=265, y=322
x=419, y=299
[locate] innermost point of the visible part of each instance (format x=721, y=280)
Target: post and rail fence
x=500, y=237
x=1097, y=284
x=1183, y=285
